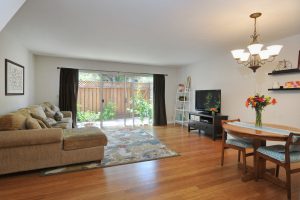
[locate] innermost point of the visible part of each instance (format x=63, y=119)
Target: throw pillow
x=51, y=121
x=12, y=122
x=32, y=123
x=58, y=116
x=55, y=108
x=49, y=113
x=38, y=111
x=42, y=124
x=41, y=119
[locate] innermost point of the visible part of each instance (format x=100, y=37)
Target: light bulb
x=237, y=53
x=254, y=49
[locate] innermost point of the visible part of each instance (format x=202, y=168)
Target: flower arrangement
x=259, y=102
x=213, y=110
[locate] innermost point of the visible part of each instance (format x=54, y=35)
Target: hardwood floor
x=196, y=174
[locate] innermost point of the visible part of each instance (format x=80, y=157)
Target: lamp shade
x=254, y=49
x=237, y=53
x=264, y=54
x=274, y=50
x=245, y=56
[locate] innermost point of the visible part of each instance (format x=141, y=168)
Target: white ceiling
x=7, y=10
x=160, y=32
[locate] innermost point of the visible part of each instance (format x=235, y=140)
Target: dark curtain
x=68, y=90
x=159, y=105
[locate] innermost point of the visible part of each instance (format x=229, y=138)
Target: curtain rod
x=112, y=71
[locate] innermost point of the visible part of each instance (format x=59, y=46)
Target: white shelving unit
x=182, y=107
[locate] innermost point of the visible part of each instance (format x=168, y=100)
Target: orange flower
x=247, y=104
x=274, y=101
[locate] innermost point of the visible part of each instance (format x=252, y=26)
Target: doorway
x=114, y=99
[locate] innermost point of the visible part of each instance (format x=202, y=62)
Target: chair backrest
x=294, y=139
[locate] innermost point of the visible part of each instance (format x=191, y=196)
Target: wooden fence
x=91, y=93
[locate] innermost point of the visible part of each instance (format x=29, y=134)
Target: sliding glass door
x=114, y=99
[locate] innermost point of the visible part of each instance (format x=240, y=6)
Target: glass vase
x=258, y=122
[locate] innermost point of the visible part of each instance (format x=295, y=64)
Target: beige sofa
x=29, y=149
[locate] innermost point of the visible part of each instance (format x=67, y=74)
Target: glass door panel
x=113, y=100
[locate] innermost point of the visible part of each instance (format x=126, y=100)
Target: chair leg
x=277, y=171
x=256, y=167
x=288, y=183
x=244, y=162
x=239, y=156
x=222, y=156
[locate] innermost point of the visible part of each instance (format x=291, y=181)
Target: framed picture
x=299, y=60
x=14, y=78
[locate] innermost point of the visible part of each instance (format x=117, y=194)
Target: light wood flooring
x=196, y=174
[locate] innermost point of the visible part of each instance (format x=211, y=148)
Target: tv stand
x=206, y=123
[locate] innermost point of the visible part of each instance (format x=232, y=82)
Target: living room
x=175, y=39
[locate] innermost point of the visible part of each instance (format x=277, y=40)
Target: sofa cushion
x=42, y=124
x=58, y=116
x=38, y=111
x=29, y=137
x=24, y=111
x=45, y=122
x=12, y=121
x=80, y=138
x=49, y=113
x=32, y=123
x=51, y=121
x=55, y=108
x=62, y=125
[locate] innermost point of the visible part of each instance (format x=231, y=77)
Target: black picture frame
x=14, y=78
x=299, y=60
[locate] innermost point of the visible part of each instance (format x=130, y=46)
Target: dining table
x=259, y=137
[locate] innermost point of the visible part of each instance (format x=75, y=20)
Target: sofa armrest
x=19, y=138
x=67, y=114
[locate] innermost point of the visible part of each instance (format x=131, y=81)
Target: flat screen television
x=207, y=99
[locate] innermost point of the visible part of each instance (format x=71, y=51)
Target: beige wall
x=238, y=82
x=11, y=49
x=47, y=76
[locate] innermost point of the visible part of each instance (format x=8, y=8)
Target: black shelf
x=287, y=71
x=283, y=89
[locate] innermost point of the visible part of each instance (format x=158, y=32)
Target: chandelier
x=256, y=55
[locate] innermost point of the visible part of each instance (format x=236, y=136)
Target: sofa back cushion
x=32, y=123
x=12, y=121
x=38, y=111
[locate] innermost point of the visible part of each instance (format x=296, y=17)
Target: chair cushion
x=277, y=152
x=239, y=143
x=79, y=138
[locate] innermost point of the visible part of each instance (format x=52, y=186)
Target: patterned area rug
x=125, y=145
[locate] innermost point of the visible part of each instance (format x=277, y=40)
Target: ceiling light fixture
x=256, y=56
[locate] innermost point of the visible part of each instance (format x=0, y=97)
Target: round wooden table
x=259, y=138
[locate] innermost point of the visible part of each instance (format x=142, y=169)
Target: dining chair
x=237, y=143
x=282, y=155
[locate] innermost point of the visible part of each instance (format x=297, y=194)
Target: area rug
x=125, y=145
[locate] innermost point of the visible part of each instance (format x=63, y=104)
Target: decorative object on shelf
x=276, y=85
x=181, y=87
x=188, y=82
x=259, y=102
x=182, y=98
x=256, y=56
x=283, y=65
x=213, y=111
x=14, y=78
x=292, y=84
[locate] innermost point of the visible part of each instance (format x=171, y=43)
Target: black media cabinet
x=207, y=123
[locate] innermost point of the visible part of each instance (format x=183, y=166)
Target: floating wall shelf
x=288, y=71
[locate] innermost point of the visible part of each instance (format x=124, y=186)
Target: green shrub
x=109, y=111
x=88, y=116
x=141, y=107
